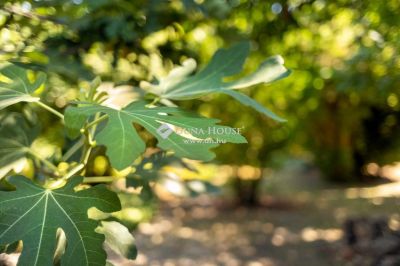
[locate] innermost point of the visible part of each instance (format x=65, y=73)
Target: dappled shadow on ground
x=195, y=232
x=299, y=222
x=302, y=229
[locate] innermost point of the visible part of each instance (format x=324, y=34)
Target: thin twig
x=17, y=11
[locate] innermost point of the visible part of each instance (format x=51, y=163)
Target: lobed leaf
x=124, y=144
x=178, y=85
x=34, y=214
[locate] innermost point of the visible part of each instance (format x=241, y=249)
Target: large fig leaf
x=178, y=85
x=169, y=125
x=33, y=214
x=15, y=85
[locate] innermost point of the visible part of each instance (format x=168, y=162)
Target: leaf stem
x=88, y=141
x=167, y=102
x=99, y=179
x=50, y=109
x=86, y=152
x=96, y=121
x=74, y=171
x=72, y=150
x=155, y=100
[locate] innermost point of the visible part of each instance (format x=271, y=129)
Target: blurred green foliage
x=341, y=102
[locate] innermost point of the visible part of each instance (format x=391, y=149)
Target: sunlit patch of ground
x=209, y=231
x=199, y=234
x=389, y=171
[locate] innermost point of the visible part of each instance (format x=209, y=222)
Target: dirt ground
x=202, y=235
x=304, y=231
x=299, y=223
